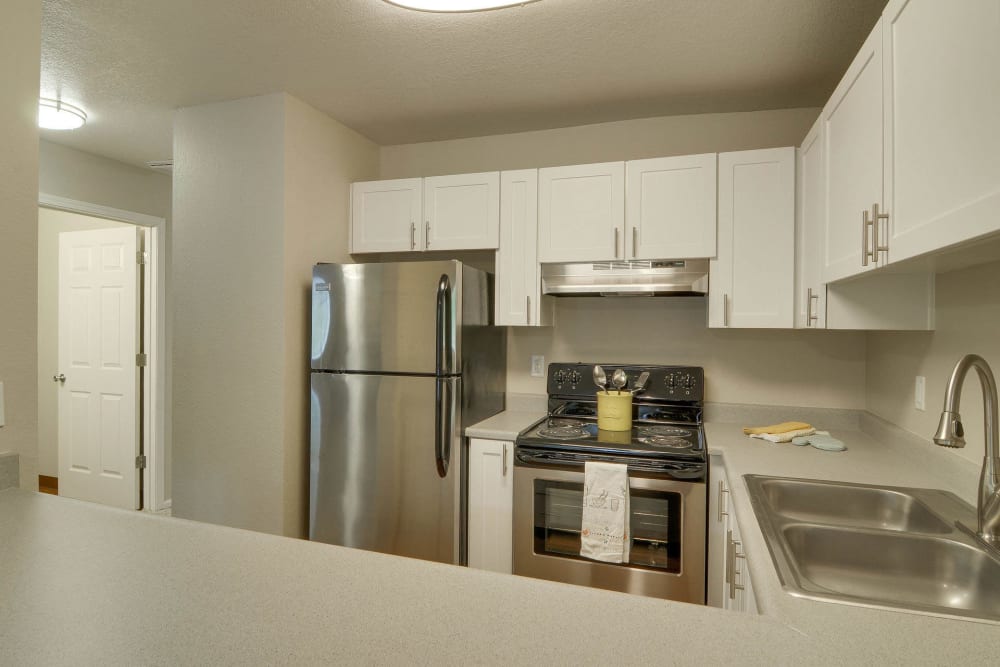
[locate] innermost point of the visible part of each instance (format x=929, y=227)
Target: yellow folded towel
x=784, y=427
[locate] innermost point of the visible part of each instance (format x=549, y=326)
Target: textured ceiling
x=399, y=76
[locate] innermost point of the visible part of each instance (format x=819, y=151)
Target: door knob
x=59, y=378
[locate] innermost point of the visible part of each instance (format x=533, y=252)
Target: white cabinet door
x=491, y=501
x=385, y=216
x=670, y=207
x=581, y=213
x=942, y=106
x=518, y=284
x=462, y=212
x=810, y=289
x=718, y=527
x=752, y=281
x=852, y=134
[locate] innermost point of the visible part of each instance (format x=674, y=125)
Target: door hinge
x=140, y=257
x=141, y=359
x=140, y=462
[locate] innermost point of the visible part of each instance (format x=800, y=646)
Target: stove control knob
x=689, y=382
x=575, y=377
x=671, y=381
x=559, y=377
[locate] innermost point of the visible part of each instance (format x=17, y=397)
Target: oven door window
x=655, y=524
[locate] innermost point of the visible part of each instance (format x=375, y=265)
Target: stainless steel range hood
x=680, y=277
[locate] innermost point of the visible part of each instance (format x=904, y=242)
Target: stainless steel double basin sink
x=891, y=547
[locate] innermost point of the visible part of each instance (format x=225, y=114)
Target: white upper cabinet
x=581, y=213
x=462, y=212
x=385, y=216
x=852, y=131
x=810, y=288
x=670, y=207
x=752, y=281
x=518, y=284
x=942, y=105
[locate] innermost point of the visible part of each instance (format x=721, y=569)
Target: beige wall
x=74, y=174
x=765, y=367
x=968, y=321
x=228, y=209
x=260, y=195
x=322, y=158
x=20, y=45
x=805, y=368
x=622, y=140
x=93, y=179
x=50, y=224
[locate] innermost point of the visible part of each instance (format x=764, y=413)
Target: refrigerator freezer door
x=378, y=446
x=387, y=317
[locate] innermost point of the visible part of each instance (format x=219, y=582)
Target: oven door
x=668, y=526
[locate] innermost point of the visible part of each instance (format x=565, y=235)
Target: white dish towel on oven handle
x=604, y=534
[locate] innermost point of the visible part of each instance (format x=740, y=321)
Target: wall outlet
x=537, y=366
x=919, y=393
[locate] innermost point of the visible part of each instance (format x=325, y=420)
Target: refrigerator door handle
x=444, y=423
x=445, y=362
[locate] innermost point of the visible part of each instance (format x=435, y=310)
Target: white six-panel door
x=99, y=299
x=670, y=207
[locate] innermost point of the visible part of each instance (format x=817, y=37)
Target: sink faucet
x=950, y=433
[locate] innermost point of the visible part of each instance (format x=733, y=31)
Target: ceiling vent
x=162, y=166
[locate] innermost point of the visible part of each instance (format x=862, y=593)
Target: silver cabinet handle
x=635, y=241
x=427, y=234
x=866, y=252
x=723, y=500
x=730, y=561
x=505, y=459
x=742, y=556
x=527, y=308
x=880, y=246
x=810, y=318
x=413, y=236
x=731, y=566
x=725, y=310
x=59, y=378
x=616, y=243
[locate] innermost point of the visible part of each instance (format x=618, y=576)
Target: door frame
x=155, y=495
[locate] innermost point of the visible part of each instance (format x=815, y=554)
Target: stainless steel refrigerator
x=404, y=357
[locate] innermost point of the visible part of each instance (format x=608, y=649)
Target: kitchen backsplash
x=762, y=367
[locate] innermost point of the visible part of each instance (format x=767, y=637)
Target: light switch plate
x=919, y=393
x=537, y=366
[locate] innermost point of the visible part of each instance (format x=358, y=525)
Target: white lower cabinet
x=491, y=502
x=729, y=584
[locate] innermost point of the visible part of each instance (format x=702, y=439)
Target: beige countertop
x=86, y=584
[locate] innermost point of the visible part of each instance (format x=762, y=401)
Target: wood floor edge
x=47, y=484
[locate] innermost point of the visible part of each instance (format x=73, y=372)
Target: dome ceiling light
x=457, y=5
x=58, y=115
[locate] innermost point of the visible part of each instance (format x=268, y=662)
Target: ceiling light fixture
x=57, y=115
x=457, y=5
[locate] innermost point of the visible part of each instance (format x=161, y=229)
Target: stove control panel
x=670, y=383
